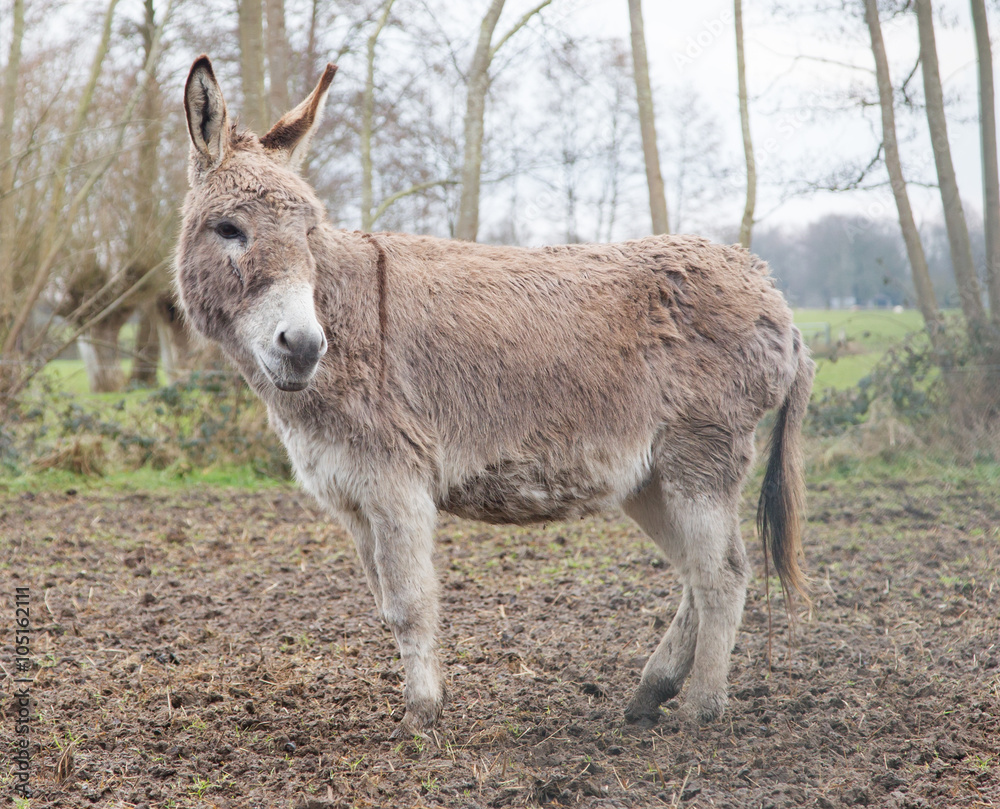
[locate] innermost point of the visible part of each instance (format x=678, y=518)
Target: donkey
x=408, y=374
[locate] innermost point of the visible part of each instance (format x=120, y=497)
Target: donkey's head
x=245, y=267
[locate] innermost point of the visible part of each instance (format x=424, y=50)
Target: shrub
x=949, y=392
x=208, y=419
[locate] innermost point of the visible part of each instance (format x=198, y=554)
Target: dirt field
x=220, y=649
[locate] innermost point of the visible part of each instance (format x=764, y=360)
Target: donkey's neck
x=351, y=306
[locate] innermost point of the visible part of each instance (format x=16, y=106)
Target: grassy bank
x=857, y=340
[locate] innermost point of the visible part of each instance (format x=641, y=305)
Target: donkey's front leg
x=409, y=603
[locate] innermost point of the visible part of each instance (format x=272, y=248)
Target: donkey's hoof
x=420, y=718
x=406, y=730
x=643, y=710
x=707, y=709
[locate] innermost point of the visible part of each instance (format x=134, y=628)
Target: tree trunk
x=102, y=357
x=251, y=36
x=144, y=237
x=926, y=299
x=988, y=141
x=368, y=123
x=477, y=86
x=746, y=225
x=146, y=355
x=8, y=226
x=277, y=59
x=647, y=122
x=954, y=217
x=173, y=338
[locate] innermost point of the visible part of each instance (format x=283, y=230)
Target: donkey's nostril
x=302, y=344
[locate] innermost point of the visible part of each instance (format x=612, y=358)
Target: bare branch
x=525, y=18
x=53, y=250
x=40, y=362
x=385, y=204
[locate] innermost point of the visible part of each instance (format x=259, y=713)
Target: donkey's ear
x=288, y=140
x=207, y=120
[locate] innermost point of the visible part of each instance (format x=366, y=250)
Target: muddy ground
x=220, y=649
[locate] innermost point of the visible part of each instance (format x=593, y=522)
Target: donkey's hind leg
x=718, y=573
x=669, y=665
x=700, y=536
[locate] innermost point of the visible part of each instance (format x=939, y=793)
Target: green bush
x=948, y=391
x=208, y=419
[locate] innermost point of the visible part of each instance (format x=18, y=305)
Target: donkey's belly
x=523, y=492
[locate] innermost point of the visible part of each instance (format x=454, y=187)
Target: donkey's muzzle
x=296, y=350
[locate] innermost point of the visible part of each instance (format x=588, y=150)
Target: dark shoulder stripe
x=380, y=274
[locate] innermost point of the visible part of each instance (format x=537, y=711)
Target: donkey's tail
x=782, y=497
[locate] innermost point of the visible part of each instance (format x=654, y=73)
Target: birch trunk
x=746, y=225
x=954, y=217
x=647, y=122
x=251, y=37
x=988, y=141
x=926, y=299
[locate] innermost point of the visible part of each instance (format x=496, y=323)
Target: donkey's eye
x=227, y=230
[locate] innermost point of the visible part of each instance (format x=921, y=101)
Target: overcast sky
x=805, y=118
x=693, y=45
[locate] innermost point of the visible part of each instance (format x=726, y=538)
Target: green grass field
x=869, y=334
x=70, y=376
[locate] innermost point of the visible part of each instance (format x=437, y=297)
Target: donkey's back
x=550, y=380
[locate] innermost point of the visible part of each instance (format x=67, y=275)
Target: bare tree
x=68, y=195
x=478, y=84
x=395, y=171
x=144, y=236
x=620, y=116
x=988, y=141
x=926, y=298
x=8, y=106
x=277, y=59
x=59, y=218
x=251, y=37
x=106, y=273
x=954, y=217
x=746, y=225
x=647, y=122
x=368, y=120
x=697, y=171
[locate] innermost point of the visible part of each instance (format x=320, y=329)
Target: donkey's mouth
x=287, y=384
x=291, y=387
